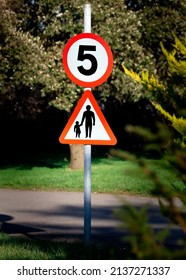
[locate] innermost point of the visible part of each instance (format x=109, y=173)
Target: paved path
x=60, y=215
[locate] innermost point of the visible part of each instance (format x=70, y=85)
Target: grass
x=108, y=176
x=22, y=248
x=16, y=248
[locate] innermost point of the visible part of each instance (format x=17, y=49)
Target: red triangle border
x=87, y=94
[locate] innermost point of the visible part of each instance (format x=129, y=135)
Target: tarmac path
x=60, y=215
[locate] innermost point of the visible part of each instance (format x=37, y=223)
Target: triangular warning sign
x=87, y=124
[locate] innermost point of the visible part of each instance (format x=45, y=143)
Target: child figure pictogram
x=77, y=129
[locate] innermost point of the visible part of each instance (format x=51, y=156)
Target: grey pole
x=87, y=153
x=87, y=18
x=87, y=193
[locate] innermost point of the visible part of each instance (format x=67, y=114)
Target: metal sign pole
x=87, y=153
x=99, y=68
x=87, y=193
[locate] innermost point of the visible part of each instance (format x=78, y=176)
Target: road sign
x=87, y=60
x=87, y=124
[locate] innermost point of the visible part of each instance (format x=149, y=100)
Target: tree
x=159, y=21
x=61, y=21
x=176, y=60
x=31, y=75
x=168, y=95
x=40, y=30
x=173, y=145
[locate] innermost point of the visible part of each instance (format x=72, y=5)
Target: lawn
x=16, y=248
x=109, y=175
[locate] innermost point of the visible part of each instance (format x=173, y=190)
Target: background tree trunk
x=77, y=156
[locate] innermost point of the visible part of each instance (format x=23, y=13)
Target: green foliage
x=33, y=37
x=177, y=64
x=175, y=150
x=159, y=20
x=144, y=241
x=149, y=82
x=32, y=75
x=159, y=93
x=172, y=202
x=34, y=34
x=179, y=124
x=120, y=27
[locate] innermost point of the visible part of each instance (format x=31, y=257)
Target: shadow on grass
x=60, y=250
x=29, y=161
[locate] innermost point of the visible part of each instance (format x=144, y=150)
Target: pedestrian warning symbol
x=87, y=124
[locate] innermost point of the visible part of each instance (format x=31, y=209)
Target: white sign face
x=91, y=129
x=91, y=62
x=87, y=124
x=87, y=60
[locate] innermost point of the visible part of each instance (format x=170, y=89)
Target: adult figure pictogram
x=89, y=118
x=100, y=134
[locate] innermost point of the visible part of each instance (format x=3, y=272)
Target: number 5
x=82, y=56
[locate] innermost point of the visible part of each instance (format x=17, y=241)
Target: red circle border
x=109, y=54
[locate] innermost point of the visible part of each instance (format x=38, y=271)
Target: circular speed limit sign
x=87, y=60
